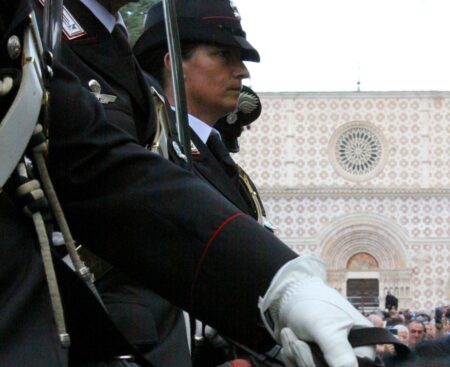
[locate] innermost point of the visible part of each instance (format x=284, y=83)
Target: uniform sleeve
x=157, y=221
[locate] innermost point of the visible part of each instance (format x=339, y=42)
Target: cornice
x=356, y=95
x=280, y=192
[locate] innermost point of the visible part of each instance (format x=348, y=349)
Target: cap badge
x=248, y=102
x=235, y=10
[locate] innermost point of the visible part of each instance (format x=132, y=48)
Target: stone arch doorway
x=370, y=248
x=363, y=285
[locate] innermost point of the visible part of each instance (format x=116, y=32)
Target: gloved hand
x=295, y=353
x=299, y=306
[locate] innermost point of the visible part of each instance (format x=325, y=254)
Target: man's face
x=416, y=332
x=430, y=331
x=213, y=79
x=403, y=336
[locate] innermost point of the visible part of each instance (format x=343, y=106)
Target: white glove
x=298, y=299
x=295, y=353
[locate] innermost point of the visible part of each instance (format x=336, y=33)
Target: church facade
x=361, y=179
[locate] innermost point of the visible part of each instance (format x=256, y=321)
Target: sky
x=328, y=45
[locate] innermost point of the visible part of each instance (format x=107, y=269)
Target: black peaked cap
x=199, y=21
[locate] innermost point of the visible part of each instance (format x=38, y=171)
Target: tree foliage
x=134, y=17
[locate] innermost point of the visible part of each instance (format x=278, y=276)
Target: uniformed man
x=168, y=229
x=96, y=49
x=213, y=72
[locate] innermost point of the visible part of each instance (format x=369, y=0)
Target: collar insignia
x=71, y=28
x=194, y=150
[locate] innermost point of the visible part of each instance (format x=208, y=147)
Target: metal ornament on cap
x=235, y=10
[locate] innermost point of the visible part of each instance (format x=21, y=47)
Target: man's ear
x=167, y=63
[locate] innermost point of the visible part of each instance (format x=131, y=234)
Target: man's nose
x=241, y=70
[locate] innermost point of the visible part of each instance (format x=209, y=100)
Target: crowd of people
x=426, y=332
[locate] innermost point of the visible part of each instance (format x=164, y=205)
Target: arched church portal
x=366, y=257
x=363, y=284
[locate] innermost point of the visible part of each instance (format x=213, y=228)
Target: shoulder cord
x=165, y=142
x=35, y=203
x=35, y=200
x=253, y=195
x=163, y=130
x=38, y=145
x=29, y=191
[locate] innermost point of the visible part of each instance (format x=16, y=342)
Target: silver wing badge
x=95, y=88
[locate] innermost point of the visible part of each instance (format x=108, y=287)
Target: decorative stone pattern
x=288, y=144
x=400, y=215
x=297, y=217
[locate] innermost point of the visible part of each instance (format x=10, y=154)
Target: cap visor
x=249, y=53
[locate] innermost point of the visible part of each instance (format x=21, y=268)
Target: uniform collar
x=202, y=129
x=103, y=15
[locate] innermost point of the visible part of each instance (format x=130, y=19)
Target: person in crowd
x=417, y=332
x=428, y=353
x=393, y=320
x=402, y=333
x=391, y=302
x=430, y=331
x=376, y=320
x=439, y=322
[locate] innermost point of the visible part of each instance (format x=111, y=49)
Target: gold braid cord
x=33, y=188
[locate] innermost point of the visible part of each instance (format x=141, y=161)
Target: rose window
x=358, y=151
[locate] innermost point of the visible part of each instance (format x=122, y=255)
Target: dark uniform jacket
x=151, y=323
x=152, y=219
x=213, y=163
x=28, y=335
x=216, y=166
x=27, y=328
